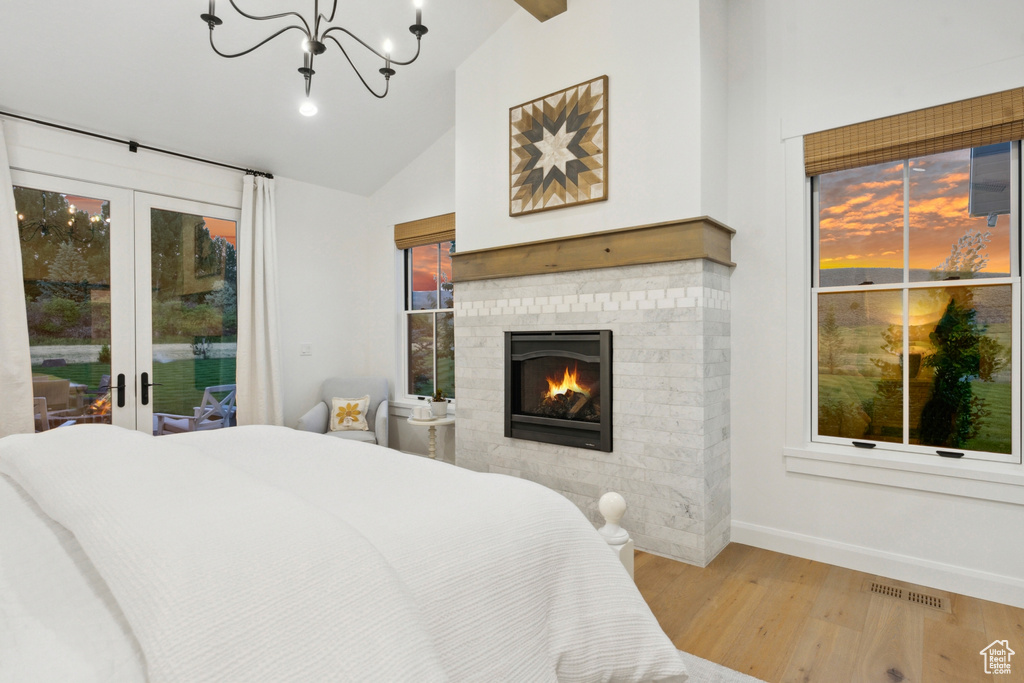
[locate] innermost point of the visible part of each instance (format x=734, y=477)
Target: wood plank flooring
x=785, y=619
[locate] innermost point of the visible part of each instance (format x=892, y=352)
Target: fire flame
x=569, y=382
x=100, y=406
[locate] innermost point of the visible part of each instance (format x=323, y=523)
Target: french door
x=131, y=305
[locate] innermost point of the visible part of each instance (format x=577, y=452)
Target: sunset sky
x=93, y=207
x=861, y=215
x=221, y=228
x=216, y=226
x=424, y=266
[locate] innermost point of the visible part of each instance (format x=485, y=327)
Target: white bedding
x=507, y=579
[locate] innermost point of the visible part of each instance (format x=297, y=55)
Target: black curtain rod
x=136, y=146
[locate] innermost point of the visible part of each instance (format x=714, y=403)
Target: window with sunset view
x=914, y=301
x=430, y=319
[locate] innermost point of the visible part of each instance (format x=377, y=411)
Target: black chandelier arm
x=373, y=92
x=351, y=35
x=334, y=10
x=367, y=46
x=254, y=47
x=273, y=16
x=414, y=57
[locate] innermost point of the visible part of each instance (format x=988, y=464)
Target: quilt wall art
x=558, y=149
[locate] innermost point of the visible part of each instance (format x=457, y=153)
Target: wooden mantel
x=690, y=238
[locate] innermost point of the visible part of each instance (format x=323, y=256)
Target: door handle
x=146, y=384
x=120, y=390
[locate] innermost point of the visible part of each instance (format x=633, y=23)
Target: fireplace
x=558, y=388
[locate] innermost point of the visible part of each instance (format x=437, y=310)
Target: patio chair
x=56, y=391
x=212, y=413
x=41, y=415
x=103, y=389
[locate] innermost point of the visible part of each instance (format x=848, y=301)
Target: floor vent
x=926, y=600
x=906, y=593
x=887, y=590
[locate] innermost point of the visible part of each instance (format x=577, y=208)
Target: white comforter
x=333, y=561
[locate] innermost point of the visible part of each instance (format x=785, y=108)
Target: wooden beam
x=691, y=238
x=543, y=9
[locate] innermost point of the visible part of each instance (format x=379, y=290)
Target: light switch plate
x=306, y=349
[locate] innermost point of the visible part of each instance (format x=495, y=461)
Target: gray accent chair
x=318, y=418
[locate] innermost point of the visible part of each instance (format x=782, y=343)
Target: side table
x=433, y=425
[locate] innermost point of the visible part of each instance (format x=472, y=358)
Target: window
x=430, y=319
x=915, y=304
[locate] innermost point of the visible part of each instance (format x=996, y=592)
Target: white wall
x=331, y=271
x=652, y=59
x=714, y=57
x=424, y=188
x=796, y=67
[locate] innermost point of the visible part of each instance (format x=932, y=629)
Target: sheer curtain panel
x=15, y=362
x=258, y=373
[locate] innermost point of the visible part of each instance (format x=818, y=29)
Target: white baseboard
x=987, y=586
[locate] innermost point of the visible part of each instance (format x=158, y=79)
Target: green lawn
x=995, y=435
x=183, y=380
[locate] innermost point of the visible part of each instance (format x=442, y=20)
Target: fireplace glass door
x=555, y=386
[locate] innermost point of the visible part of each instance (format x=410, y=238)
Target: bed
x=267, y=554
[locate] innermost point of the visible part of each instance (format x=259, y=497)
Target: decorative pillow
x=349, y=414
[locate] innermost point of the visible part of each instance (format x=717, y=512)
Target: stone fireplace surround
x=670, y=457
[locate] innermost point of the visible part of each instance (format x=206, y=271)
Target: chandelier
x=49, y=223
x=315, y=43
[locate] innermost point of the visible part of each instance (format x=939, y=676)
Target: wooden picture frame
x=558, y=149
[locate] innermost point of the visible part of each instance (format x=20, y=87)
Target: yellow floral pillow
x=349, y=414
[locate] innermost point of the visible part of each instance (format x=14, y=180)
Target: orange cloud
x=861, y=215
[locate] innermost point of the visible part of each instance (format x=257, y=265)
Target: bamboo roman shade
x=985, y=120
x=425, y=231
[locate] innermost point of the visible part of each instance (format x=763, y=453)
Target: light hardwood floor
x=783, y=618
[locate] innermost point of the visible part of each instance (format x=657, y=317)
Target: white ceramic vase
x=439, y=408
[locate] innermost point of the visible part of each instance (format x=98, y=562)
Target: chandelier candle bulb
x=418, y=4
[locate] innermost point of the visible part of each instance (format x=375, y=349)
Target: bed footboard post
x=612, y=507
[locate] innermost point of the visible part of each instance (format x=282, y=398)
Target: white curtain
x=15, y=362
x=258, y=370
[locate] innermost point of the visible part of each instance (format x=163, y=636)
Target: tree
x=892, y=344
x=223, y=297
x=838, y=416
x=967, y=256
x=831, y=343
x=166, y=253
x=447, y=286
x=953, y=415
x=67, y=275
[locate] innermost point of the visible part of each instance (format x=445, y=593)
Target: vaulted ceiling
x=145, y=71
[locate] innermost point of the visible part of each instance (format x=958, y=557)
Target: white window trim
x=967, y=478
x=404, y=401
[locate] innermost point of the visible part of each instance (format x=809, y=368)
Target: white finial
x=612, y=507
